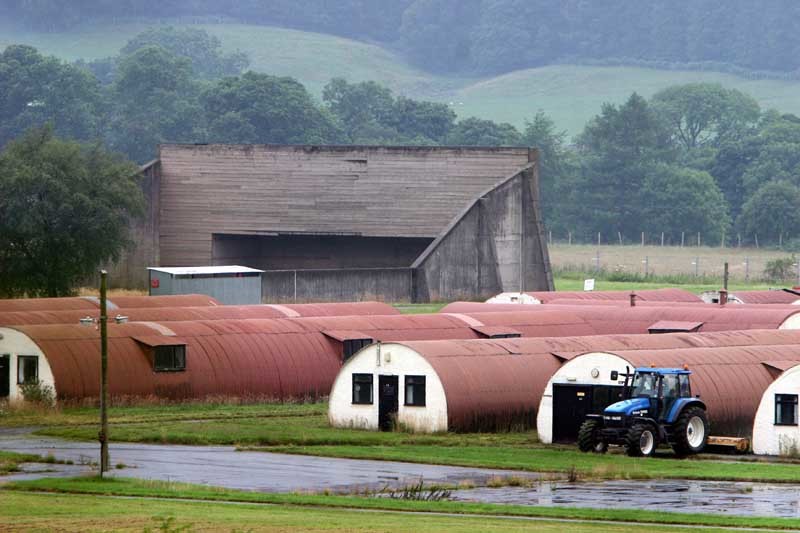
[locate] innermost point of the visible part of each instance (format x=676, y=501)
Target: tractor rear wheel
x=642, y=441
x=588, y=440
x=690, y=431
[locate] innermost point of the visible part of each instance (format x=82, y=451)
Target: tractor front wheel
x=642, y=441
x=690, y=432
x=588, y=440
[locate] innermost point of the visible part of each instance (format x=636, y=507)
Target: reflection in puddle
x=723, y=497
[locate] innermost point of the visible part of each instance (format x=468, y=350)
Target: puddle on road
x=719, y=497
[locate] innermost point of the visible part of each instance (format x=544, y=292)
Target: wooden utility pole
x=104, y=461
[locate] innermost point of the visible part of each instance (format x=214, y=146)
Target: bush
x=38, y=393
x=781, y=269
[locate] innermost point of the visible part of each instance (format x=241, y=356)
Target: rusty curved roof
x=92, y=302
x=606, y=319
x=783, y=296
x=646, y=295
x=173, y=314
x=505, y=378
x=730, y=380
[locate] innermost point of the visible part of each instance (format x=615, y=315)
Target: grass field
x=569, y=94
x=68, y=507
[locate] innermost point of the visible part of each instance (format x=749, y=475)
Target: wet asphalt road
x=223, y=466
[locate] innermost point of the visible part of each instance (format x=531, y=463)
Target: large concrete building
x=345, y=222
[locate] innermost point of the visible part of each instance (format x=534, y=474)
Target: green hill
x=569, y=94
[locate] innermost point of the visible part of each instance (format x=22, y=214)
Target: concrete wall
x=337, y=285
x=497, y=244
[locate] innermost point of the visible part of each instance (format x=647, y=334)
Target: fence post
x=698, y=239
x=696, y=266
x=662, y=239
x=646, y=265
x=597, y=261
x=756, y=240
x=642, y=239
x=739, y=235
x=598, y=238
x=569, y=237
x=683, y=234
x=746, y=269
x=619, y=234
x=551, y=238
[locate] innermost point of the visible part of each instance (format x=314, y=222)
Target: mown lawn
x=74, y=504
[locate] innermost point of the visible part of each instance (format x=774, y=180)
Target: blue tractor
x=658, y=408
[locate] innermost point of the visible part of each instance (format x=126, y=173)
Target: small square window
x=27, y=369
x=351, y=346
x=362, y=389
x=169, y=358
x=415, y=391
x=786, y=409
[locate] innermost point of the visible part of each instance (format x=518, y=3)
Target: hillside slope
x=569, y=94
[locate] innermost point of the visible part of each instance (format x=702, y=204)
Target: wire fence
x=745, y=264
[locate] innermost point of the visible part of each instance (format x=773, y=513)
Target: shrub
x=781, y=269
x=38, y=393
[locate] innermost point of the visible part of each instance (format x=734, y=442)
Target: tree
x=35, y=90
x=64, y=211
x=266, y=109
x=155, y=100
x=706, y=113
x=771, y=213
x=203, y=50
x=676, y=200
x=365, y=110
x=618, y=148
x=479, y=132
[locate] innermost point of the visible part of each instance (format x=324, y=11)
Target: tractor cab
x=652, y=392
x=658, y=407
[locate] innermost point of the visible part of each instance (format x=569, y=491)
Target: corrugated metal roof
x=175, y=314
x=206, y=270
x=646, y=295
x=674, y=325
x=505, y=378
x=92, y=303
x=782, y=296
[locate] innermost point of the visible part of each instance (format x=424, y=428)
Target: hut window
x=362, y=389
x=786, y=409
x=169, y=358
x=27, y=369
x=415, y=391
x=351, y=346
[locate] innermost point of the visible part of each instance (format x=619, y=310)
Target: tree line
x=692, y=159
x=492, y=36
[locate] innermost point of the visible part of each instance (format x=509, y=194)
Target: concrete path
x=223, y=466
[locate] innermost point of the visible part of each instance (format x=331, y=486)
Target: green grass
x=10, y=461
x=308, y=510
x=570, y=284
x=569, y=94
x=83, y=416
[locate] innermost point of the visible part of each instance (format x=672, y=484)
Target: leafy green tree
x=35, y=90
x=64, y=211
x=558, y=172
x=428, y=120
x=266, y=109
x=676, y=200
x=365, y=110
x=155, y=100
x=703, y=114
x=772, y=212
x=197, y=45
x=479, y=132
x=618, y=148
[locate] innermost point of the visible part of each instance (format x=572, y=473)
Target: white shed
x=775, y=428
x=21, y=361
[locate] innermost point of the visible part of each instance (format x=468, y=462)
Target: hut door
x=5, y=375
x=571, y=404
x=387, y=402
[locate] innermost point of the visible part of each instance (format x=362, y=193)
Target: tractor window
x=686, y=389
x=645, y=385
x=671, y=387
